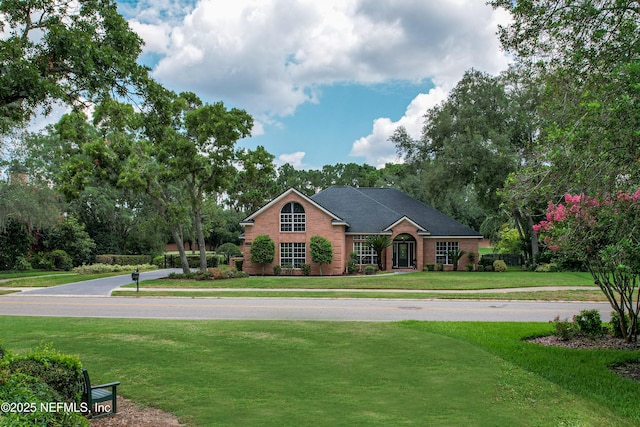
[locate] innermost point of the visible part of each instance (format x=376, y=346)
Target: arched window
x=292, y=217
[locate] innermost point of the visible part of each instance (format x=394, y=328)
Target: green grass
x=44, y=280
x=30, y=273
x=213, y=373
x=419, y=280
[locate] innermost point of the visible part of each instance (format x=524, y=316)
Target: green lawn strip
x=30, y=273
x=43, y=282
x=569, y=295
x=582, y=372
x=418, y=280
x=212, y=373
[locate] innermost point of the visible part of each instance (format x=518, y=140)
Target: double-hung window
x=293, y=217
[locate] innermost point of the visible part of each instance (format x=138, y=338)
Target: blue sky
x=326, y=81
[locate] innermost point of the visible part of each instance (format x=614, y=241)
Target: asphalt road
x=91, y=299
x=291, y=308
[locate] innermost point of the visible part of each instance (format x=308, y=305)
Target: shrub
x=352, y=263
x=107, y=268
x=287, y=270
x=470, y=267
x=44, y=375
x=429, y=267
x=123, y=259
x=158, y=261
x=564, y=328
x=306, y=269
x=18, y=387
x=216, y=273
x=589, y=323
x=480, y=267
x=277, y=270
x=62, y=372
x=239, y=263
x=471, y=256
x=499, y=266
x=22, y=264
x=370, y=269
x=60, y=260
x=198, y=275
x=616, y=325
x=547, y=268
x=439, y=267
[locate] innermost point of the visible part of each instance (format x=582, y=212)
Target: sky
x=326, y=81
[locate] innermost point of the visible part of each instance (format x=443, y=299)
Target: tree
x=602, y=233
x=70, y=236
x=585, y=56
x=63, y=51
x=379, y=242
x=321, y=251
x=255, y=183
x=229, y=250
x=15, y=242
x=263, y=250
x=35, y=206
x=196, y=143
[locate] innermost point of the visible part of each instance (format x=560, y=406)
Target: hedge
x=123, y=259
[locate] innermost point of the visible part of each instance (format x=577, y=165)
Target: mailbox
x=135, y=276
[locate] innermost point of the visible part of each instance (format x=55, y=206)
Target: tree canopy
x=64, y=51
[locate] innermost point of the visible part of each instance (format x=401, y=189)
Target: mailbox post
x=135, y=276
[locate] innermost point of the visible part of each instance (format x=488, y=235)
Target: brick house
x=345, y=216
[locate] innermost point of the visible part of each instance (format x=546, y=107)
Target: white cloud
x=376, y=147
x=294, y=159
x=270, y=56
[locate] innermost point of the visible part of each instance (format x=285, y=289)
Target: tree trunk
x=183, y=255
x=201, y=244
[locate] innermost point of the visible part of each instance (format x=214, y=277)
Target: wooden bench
x=93, y=395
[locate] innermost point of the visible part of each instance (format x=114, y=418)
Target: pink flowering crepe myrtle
x=581, y=215
x=604, y=234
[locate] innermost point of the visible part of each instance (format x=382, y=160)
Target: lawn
x=337, y=373
x=411, y=281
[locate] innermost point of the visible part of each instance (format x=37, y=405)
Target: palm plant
x=379, y=242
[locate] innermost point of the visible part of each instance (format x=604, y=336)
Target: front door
x=403, y=255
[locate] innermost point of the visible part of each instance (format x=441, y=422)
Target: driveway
x=97, y=287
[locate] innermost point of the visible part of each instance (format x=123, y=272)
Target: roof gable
x=249, y=220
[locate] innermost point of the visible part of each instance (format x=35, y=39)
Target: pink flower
x=554, y=248
x=569, y=199
x=560, y=213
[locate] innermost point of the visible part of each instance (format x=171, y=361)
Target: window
x=366, y=254
x=294, y=254
x=442, y=252
x=292, y=217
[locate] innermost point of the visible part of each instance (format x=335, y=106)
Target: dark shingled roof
x=373, y=210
